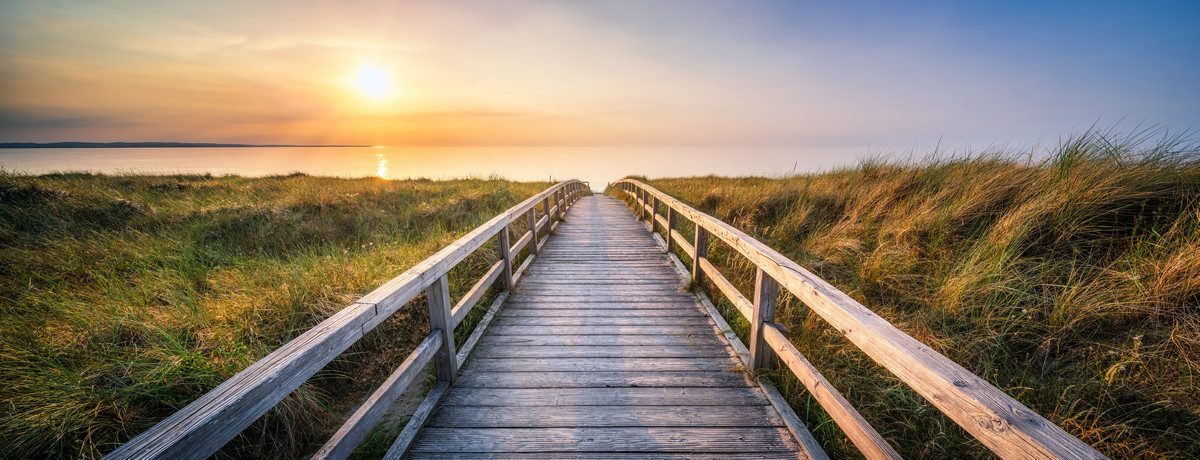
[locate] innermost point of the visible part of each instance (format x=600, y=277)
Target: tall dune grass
x=123, y=298
x=1071, y=282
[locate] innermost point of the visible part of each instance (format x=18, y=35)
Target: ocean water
x=597, y=165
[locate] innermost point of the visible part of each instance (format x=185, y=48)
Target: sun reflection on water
x=382, y=169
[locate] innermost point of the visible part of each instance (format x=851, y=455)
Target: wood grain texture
x=1004, y=425
x=415, y=423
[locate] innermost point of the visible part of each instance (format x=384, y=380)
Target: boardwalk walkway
x=600, y=353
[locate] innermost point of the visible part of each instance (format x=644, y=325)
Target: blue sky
x=889, y=75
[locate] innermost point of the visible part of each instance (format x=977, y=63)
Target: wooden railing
x=203, y=426
x=1004, y=425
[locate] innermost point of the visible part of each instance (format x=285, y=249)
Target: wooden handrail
x=1004, y=425
x=202, y=427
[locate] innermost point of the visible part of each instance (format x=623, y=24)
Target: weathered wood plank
x=735, y=297
x=603, y=330
x=868, y=441
x=601, y=340
x=648, y=378
x=603, y=321
x=615, y=396
x=607, y=455
x=650, y=310
x=604, y=351
x=648, y=439
x=415, y=423
x=594, y=416
x=472, y=296
x=602, y=364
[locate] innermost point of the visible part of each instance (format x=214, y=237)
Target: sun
x=372, y=82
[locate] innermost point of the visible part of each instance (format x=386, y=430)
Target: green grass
x=1072, y=283
x=123, y=298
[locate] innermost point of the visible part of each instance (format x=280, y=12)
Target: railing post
x=503, y=249
x=654, y=215
x=671, y=217
x=532, y=214
x=640, y=196
x=558, y=196
x=766, y=290
x=701, y=253
x=438, y=296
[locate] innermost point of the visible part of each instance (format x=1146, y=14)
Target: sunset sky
x=664, y=72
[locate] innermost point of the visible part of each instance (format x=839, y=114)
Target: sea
x=597, y=165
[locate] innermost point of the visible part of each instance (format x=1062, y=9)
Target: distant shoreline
x=141, y=145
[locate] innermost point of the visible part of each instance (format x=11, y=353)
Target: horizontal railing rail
x=1001, y=423
x=202, y=427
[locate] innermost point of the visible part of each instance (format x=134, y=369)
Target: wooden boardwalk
x=599, y=352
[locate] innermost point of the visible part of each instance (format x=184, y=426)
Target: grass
x=123, y=298
x=1070, y=282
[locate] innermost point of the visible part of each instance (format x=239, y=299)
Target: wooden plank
x=652, y=310
x=614, y=396
x=606, y=416
x=682, y=243
x=438, y=297
x=669, y=229
x=609, y=351
x=606, y=455
x=602, y=364
x=647, y=378
x=603, y=321
x=356, y=428
x=505, y=257
x=604, y=330
x=868, y=441
x=766, y=292
x=1004, y=425
x=477, y=334
x=415, y=423
x=628, y=439
x=700, y=252
x=533, y=229
x=744, y=306
x=600, y=340
x=809, y=444
x=472, y=296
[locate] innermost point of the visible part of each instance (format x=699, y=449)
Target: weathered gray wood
x=533, y=231
x=438, y=296
x=603, y=321
x=609, y=351
x=473, y=339
x=603, y=330
x=505, y=255
x=603, y=364
x=765, y=293
x=651, y=310
x=606, y=455
x=670, y=232
x=415, y=423
x=646, y=378
x=646, y=341
x=735, y=297
x=472, y=296
x=700, y=253
x=792, y=421
x=681, y=242
x=594, y=416
x=364, y=419
x=614, y=396
x=1009, y=428
x=643, y=439
x=868, y=441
